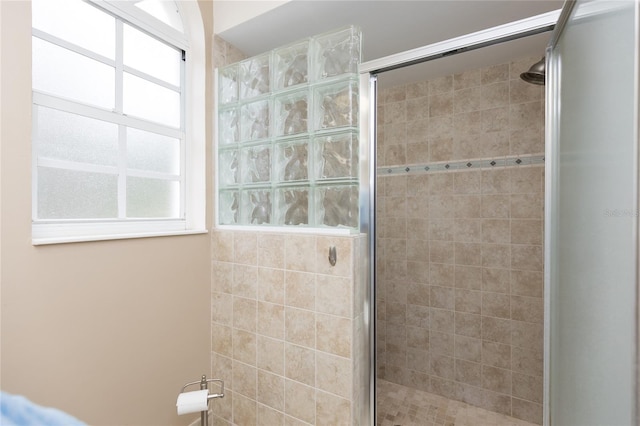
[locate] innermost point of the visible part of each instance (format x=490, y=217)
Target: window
x=116, y=131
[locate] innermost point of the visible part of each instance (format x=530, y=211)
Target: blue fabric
x=19, y=411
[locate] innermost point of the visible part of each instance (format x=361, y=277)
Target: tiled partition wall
x=460, y=256
x=287, y=327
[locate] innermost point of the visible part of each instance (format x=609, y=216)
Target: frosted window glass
x=68, y=194
x=150, y=151
x=152, y=198
x=163, y=10
x=64, y=136
x=148, y=100
x=63, y=73
x=77, y=22
x=151, y=56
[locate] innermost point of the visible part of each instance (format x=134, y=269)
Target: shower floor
x=399, y=405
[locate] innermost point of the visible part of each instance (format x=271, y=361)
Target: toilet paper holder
x=204, y=384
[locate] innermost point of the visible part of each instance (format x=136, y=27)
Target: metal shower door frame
x=368, y=100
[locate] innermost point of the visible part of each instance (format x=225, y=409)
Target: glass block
x=65, y=136
x=254, y=77
x=256, y=207
x=70, y=75
x=228, y=170
x=152, y=198
x=256, y=164
x=255, y=121
x=153, y=152
x=228, y=84
x=337, y=206
x=292, y=206
x=291, y=112
x=71, y=194
x=291, y=65
x=337, y=53
x=151, y=101
x=229, y=126
x=336, y=105
x=337, y=156
x=228, y=207
x=292, y=161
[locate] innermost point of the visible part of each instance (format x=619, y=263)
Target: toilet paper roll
x=193, y=402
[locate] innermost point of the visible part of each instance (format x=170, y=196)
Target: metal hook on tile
x=332, y=256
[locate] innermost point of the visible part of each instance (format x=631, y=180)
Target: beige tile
x=334, y=295
x=527, y=335
x=441, y=252
x=417, y=316
x=521, y=65
x=467, y=206
x=222, y=368
x=334, y=374
x=344, y=256
x=529, y=309
x=527, y=141
x=333, y=335
x=270, y=390
x=418, y=131
x=497, y=403
x=440, y=104
x=525, y=115
x=244, y=314
x=469, y=277
x=416, y=206
x=468, y=230
x=527, y=257
x=496, y=354
x=441, y=320
x=442, y=275
x=418, y=294
x=441, y=344
x=300, y=401
x=244, y=281
x=468, y=393
x=468, y=372
x=221, y=308
x=527, y=387
x=469, y=254
x=465, y=100
x=417, y=108
x=222, y=245
x=441, y=84
x=496, y=280
x=495, y=206
x=393, y=94
x=395, y=134
x=496, y=305
x=527, y=179
x=332, y=410
x=495, y=95
x=441, y=148
x=269, y=416
x=468, y=349
x=495, y=74
x=300, y=290
x=441, y=206
x=468, y=301
x=525, y=410
x=244, y=346
x=418, y=338
x=300, y=327
x=221, y=340
x=496, y=231
x=467, y=79
x=418, y=272
x=418, y=185
x=442, y=366
x=442, y=297
x=496, y=330
x=292, y=421
x=300, y=364
x=245, y=248
x=222, y=277
x=441, y=229
x=467, y=123
x=496, y=255
x=244, y=379
x=395, y=154
x=270, y=355
x=418, y=250
x=495, y=119
x=271, y=320
x=300, y=253
x=395, y=112
x=526, y=231
x=497, y=181
x=244, y=410
x=417, y=90
x=419, y=229
x=496, y=379
x=527, y=283
x=520, y=91
x=271, y=285
x=224, y=408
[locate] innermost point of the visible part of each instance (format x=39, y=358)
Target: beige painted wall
x=107, y=331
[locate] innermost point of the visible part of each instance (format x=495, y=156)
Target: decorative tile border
x=524, y=160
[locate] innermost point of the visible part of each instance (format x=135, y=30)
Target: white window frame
x=193, y=149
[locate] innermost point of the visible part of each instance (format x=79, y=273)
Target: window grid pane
x=63, y=135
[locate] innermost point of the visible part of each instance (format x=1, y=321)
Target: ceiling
x=390, y=27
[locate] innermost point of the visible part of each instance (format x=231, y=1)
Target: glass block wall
x=288, y=135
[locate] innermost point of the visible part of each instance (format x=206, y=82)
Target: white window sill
x=87, y=238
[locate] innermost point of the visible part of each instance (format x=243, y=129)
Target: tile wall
x=286, y=326
x=460, y=255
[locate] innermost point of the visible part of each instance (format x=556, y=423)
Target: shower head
x=535, y=75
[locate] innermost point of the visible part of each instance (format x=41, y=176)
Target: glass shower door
x=592, y=216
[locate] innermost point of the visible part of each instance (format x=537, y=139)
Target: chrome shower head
x=536, y=73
